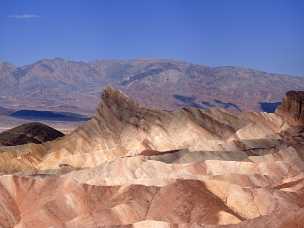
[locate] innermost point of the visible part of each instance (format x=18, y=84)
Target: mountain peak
x=113, y=96
x=116, y=102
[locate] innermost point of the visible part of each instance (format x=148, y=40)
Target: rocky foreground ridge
x=130, y=166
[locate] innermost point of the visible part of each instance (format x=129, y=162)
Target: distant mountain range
x=75, y=86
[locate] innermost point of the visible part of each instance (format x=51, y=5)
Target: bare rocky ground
x=131, y=166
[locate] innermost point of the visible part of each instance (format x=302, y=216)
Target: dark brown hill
x=29, y=133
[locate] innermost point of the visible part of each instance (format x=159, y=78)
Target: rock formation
x=292, y=108
x=29, y=133
x=130, y=166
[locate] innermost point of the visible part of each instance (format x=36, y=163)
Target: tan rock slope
x=130, y=166
x=121, y=127
x=293, y=108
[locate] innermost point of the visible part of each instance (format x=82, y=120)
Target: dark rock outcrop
x=29, y=133
x=292, y=108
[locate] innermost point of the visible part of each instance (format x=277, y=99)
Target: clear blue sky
x=261, y=34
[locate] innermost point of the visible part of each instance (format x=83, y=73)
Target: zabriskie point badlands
x=131, y=166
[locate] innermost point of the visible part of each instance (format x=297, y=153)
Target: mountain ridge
x=113, y=60
x=48, y=83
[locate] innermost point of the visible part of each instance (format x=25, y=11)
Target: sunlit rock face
x=292, y=108
x=122, y=127
x=131, y=166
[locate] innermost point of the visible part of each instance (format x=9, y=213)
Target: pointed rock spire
x=292, y=108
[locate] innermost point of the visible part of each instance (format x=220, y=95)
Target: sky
x=262, y=34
